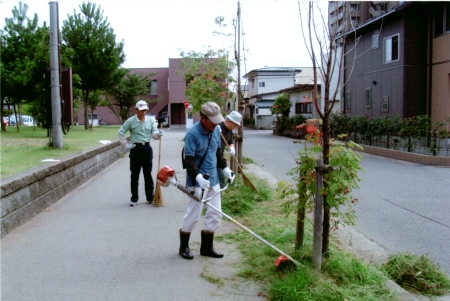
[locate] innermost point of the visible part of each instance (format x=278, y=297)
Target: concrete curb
x=26, y=194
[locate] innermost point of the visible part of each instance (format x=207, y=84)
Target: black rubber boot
x=184, y=245
x=207, y=248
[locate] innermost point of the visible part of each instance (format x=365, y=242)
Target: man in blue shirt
x=203, y=154
x=142, y=128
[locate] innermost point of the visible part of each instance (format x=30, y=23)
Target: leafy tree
x=96, y=100
x=338, y=184
x=129, y=87
x=25, y=57
x=282, y=105
x=90, y=46
x=207, y=77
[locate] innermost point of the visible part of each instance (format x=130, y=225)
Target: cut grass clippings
x=26, y=149
x=417, y=274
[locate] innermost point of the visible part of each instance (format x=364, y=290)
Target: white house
x=264, y=87
x=301, y=97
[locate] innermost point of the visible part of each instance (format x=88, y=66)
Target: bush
x=249, y=121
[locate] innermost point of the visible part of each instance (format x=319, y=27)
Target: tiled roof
x=277, y=69
x=274, y=69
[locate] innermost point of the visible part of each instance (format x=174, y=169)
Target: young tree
x=281, y=106
x=25, y=57
x=90, y=45
x=207, y=76
x=129, y=87
x=326, y=49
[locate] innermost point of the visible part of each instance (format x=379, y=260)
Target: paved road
x=404, y=207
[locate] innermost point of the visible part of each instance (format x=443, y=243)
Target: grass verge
x=343, y=276
x=26, y=149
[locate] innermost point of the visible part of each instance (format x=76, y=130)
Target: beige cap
x=212, y=110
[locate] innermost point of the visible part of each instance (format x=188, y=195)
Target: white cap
x=141, y=105
x=234, y=117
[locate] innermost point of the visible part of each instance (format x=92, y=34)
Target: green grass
x=20, y=151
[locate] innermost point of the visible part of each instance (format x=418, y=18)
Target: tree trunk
x=326, y=206
x=86, y=109
x=300, y=231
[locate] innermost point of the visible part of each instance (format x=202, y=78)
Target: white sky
x=155, y=30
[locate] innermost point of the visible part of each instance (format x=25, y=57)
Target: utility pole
x=239, y=90
x=54, y=76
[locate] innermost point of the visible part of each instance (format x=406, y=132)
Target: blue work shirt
x=195, y=145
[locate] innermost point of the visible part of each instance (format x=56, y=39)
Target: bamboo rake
x=247, y=182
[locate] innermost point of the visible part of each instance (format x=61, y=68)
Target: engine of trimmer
x=165, y=175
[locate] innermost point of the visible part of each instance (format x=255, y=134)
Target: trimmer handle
x=206, y=177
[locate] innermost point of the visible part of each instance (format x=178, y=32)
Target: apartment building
x=166, y=97
x=402, y=65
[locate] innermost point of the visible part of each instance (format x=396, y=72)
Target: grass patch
x=240, y=199
x=247, y=160
x=343, y=276
x=417, y=274
x=26, y=149
x=217, y=281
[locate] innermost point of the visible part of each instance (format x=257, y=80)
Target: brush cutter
x=166, y=176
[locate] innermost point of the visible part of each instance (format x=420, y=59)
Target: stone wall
x=26, y=194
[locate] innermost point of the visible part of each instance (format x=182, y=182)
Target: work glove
x=130, y=145
x=157, y=135
x=202, y=182
x=232, y=151
x=229, y=174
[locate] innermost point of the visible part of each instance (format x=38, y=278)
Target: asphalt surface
x=91, y=245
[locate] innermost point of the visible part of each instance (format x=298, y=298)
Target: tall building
x=344, y=15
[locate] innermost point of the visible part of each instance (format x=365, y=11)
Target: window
x=385, y=104
x=154, y=87
x=347, y=102
x=375, y=39
x=391, y=49
x=442, y=19
x=253, y=83
x=368, y=98
x=303, y=108
x=261, y=84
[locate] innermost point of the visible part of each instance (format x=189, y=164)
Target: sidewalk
x=91, y=245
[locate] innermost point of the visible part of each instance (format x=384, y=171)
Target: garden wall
x=406, y=156
x=26, y=194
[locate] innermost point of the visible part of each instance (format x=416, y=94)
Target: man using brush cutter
x=202, y=155
x=142, y=128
